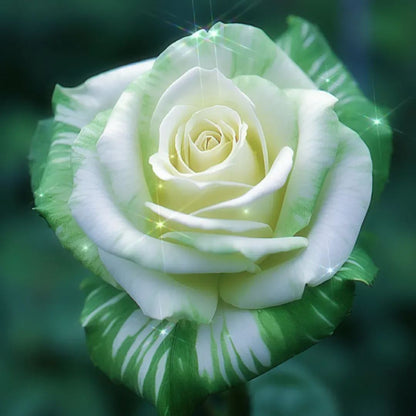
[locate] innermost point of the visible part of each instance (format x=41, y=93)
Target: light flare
x=160, y=224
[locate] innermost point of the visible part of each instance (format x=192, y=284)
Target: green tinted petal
x=87, y=139
x=41, y=143
x=175, y=365
x=78, y=106
x=359, y=259
x=55, y=188
x=234, y=49
x=305, y=44
x=51, y=155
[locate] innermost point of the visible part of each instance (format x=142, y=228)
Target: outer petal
x=54, y=191
x=75, y=108
x=304, y=43
x=315, y=153
x=233, y=49
x=340, y=211
x=41, y=143
x=177, y=364
x=79, y=105
x=161, y=295
x=342, y=208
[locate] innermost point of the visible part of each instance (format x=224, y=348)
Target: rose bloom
x=212, y=189
x=217, y=173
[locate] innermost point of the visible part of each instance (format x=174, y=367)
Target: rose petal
x=79, y=105
x=252, y=248
x=179, y=221
x=164, y=296
x=193, y=194
x=340, y=210
x=259, y=203
x=316, y=150
x=275, y=111
x=119, y=153
x=177, y=116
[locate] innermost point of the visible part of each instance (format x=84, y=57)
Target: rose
x=217, y=174
x=214, y=169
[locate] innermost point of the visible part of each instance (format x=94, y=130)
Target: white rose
x=217, y=174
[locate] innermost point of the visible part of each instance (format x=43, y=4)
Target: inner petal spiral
x=207, y=139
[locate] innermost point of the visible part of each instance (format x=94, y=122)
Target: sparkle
x=329, y=270
x=172, y=156
x=213, y=33
x=160, y=224
x=160, y=186
x=246, y=211
x=196, y=35
x=84, y=247
x=163, y=332
x=376, y=121
x=327, y=80
x=41, y=195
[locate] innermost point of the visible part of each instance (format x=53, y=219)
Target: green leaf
x=176, y=365
x=304, y=43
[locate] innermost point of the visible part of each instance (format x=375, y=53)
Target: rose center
x=208, y=143
x=207, y=140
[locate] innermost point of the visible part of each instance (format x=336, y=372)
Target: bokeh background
x=367, y=368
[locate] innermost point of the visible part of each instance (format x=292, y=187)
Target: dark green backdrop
x=367, y=368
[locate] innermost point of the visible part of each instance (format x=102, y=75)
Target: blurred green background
x=367, y=368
